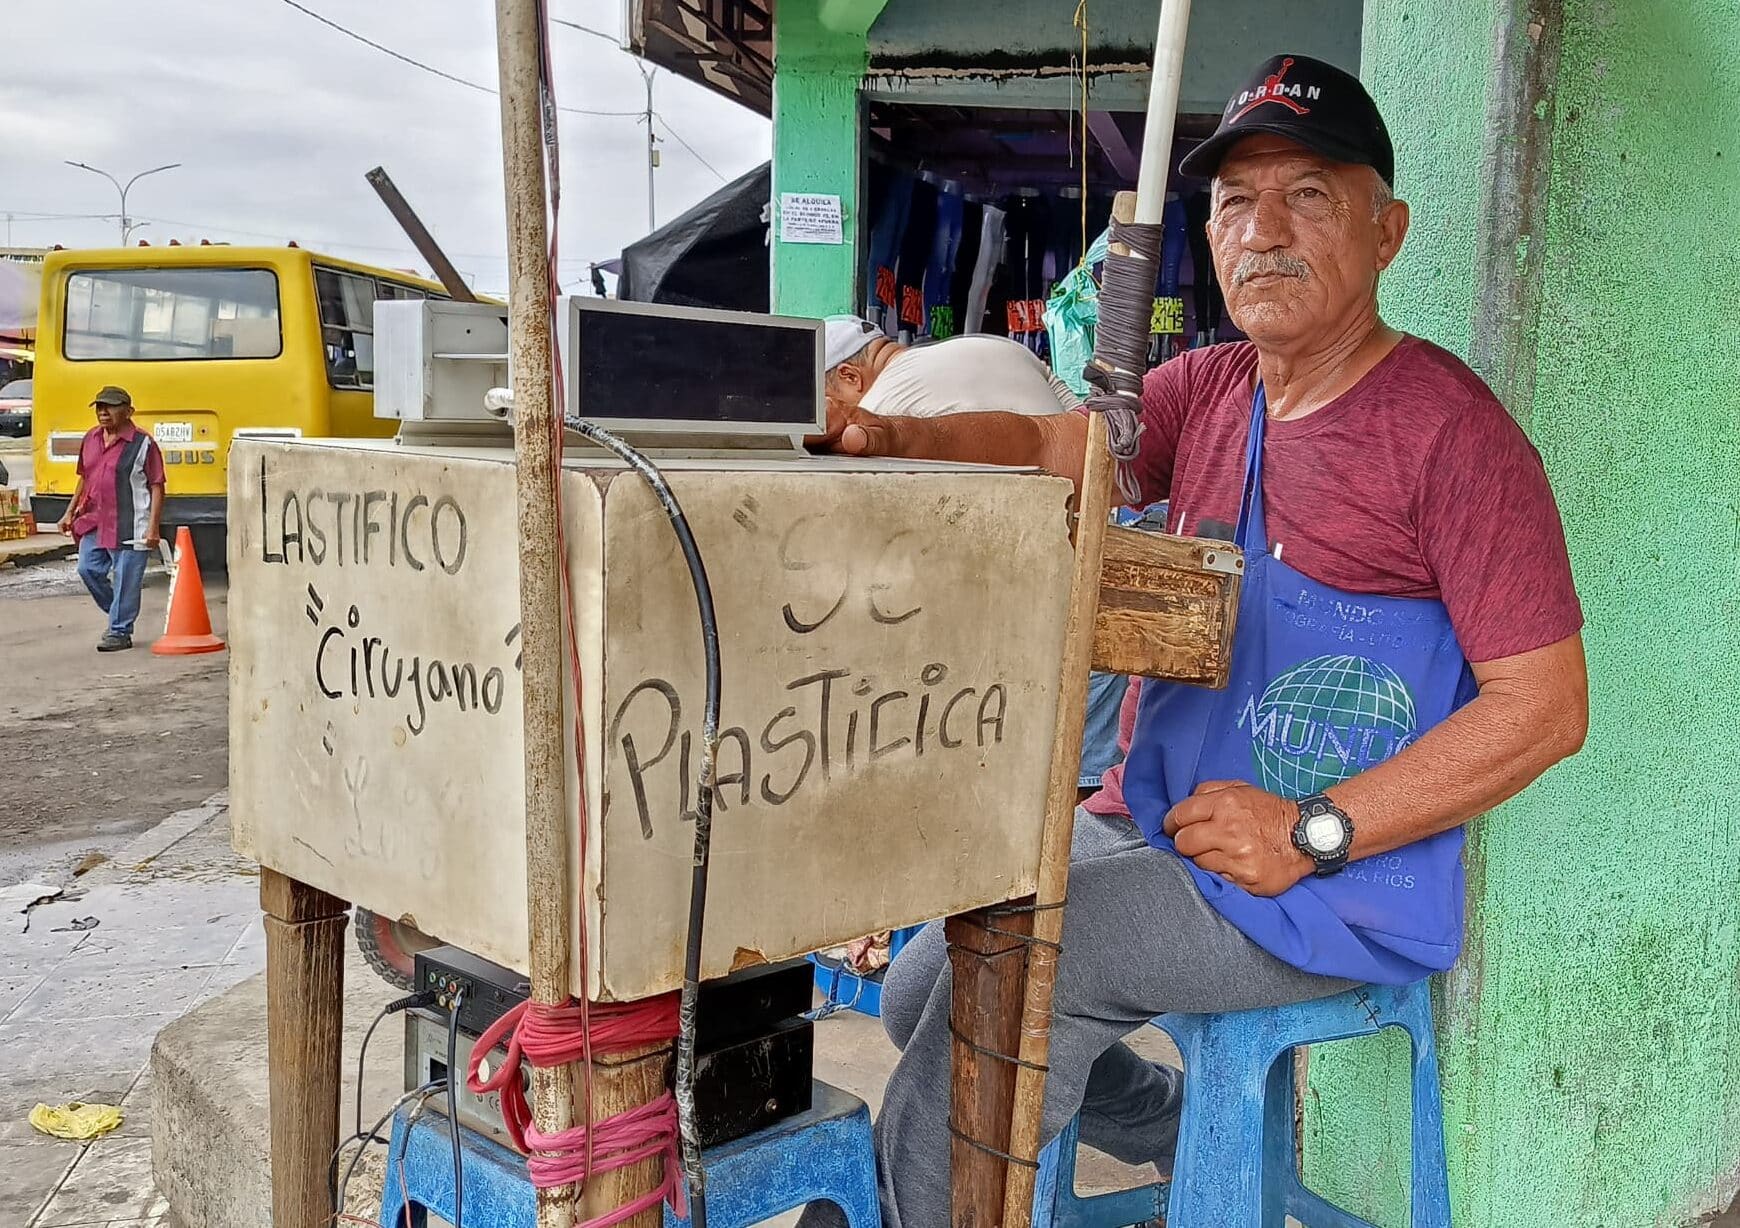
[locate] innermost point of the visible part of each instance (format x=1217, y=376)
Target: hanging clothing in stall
x=891, y=194
x=985, y=265
x=1205, y=290
x=1169, y=319
x=916, y=246
x=939, y=274
x=966, y=261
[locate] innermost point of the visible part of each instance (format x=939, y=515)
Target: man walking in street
x=116, y=512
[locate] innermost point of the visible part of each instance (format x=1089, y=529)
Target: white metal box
x=891, y=641
x=434, y=359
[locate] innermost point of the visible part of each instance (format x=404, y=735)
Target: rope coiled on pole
x=1126, y=312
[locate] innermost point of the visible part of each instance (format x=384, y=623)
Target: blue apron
x=1325, y=684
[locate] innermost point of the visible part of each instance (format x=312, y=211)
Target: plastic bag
x=1072, y=314
x=76, y=1121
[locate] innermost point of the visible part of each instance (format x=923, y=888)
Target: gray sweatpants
x=1138, y=941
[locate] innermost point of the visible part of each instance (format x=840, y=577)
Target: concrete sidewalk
x=91, y=976
x=166, y=975
x=37, y=548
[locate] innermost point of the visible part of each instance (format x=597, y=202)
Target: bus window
x=347, y=327
x=170, y=314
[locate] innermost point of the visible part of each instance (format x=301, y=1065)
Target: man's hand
x=1241, y=833
x=856, y=432
x=152, y=537
x=64, y=524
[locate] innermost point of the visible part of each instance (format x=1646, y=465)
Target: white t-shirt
x=964, y=375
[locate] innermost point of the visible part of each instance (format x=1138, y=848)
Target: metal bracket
x=1227, y=562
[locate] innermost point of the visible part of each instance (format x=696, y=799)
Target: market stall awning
x=726, y=45
x=713, y=255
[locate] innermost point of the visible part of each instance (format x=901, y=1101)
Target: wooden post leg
x=623, y=1081
x=304, y=1028
x=990, y=982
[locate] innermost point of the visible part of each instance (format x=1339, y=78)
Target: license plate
x=173, y=432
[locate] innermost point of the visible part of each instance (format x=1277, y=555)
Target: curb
x=151, y=844
x=43, y=554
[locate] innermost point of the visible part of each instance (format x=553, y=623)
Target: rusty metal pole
x=419, y=235
x=548, y=900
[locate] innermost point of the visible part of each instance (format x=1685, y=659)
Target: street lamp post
x=652, y=139
x=128, y=226
x=652, y=148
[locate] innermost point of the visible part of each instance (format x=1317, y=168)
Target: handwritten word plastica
x=837, y=729
x=362, y=528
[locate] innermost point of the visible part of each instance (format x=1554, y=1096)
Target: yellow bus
x=214, y=343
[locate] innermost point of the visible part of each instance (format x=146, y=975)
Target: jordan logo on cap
x=1274, y=89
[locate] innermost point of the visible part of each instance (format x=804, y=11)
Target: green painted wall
x=1591, y=1035
x=819, y=61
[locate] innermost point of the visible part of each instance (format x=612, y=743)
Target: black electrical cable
x=426, y=998
x=684, y=1091
x=340, y=1189
x=391, y=1008
x=453, y=1106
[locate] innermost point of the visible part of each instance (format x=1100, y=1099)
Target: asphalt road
x=96, y=747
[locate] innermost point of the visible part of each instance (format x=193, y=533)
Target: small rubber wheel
x=390, y=947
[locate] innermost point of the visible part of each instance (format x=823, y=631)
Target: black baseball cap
x=1304, y=100
x=111, y=395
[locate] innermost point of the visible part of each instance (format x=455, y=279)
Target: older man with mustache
x=1414, y=661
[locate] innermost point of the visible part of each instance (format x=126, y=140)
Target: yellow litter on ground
x=76, y=1121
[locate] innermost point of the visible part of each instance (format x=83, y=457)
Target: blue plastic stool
x=1236, y=1143
x=1057, y=1205
x=822, y=1155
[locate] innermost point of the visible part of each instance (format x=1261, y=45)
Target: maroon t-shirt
x=1415, y=482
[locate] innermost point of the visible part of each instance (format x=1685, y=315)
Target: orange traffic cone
x=189, y=629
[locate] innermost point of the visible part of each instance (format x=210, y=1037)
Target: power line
x=19, y=215
x=324, y=241
x=574, y=25
x=430, y=68
x=675, y=136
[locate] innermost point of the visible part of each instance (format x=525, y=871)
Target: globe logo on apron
x=1327, y=719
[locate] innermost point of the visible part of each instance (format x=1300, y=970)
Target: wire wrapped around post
x=1121, y=343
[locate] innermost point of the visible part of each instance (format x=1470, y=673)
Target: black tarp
x=714, y=255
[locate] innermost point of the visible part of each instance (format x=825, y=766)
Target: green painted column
x=819, y=60
x=1591, y=1033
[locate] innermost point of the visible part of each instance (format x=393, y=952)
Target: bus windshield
x=168, y=314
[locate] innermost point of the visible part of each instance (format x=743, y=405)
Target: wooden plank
x=290, y=900
x=1168, y=607
x=990, y=982
x=304, y=1025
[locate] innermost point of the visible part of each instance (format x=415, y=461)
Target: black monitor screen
x=673, y=368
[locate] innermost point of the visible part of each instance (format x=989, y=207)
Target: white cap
x=845, y=337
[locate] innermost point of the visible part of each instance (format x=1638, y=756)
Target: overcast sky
x=276, y=117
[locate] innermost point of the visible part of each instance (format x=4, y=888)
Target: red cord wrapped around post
x=556, y=1035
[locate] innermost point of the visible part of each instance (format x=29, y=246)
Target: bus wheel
x=390, y=946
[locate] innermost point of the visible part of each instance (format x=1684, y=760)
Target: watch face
x=1324, y=833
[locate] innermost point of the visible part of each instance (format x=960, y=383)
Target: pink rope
x=548, y=1036
x=638, y=1134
